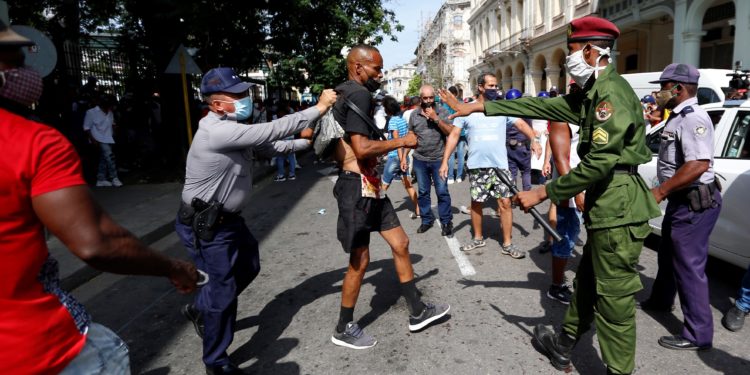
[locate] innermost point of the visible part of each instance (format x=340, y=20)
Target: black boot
x=556, y=346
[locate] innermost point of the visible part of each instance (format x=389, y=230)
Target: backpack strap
x=364, y=117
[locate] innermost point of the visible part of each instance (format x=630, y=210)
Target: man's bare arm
x=366, y=148
x=79, y=222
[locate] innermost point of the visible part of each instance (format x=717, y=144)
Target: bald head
x=361, y=53
x=364, y=62
x=426, y=90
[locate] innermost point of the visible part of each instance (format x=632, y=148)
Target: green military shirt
x=612, y=132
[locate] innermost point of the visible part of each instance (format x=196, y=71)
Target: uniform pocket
x=612, y=203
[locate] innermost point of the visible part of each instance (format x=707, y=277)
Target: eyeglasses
x=428, y=97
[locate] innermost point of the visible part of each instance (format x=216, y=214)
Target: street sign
x=190, y=67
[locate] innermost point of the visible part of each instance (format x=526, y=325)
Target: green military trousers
x=605, y=284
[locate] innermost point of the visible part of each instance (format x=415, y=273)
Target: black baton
x=537, y=216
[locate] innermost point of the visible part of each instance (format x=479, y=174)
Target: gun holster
x=701, y=197
x=203, y=217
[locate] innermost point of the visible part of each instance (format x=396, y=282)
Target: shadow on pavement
x=266, y=344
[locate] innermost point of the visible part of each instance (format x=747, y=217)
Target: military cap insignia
x=603, y=111
x=600, y=136
x=700, y=131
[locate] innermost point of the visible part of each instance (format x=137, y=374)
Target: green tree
x=414, y=84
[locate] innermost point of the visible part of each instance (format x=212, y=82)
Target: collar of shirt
x=686, y=103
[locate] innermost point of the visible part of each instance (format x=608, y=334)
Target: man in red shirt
x=43, y=330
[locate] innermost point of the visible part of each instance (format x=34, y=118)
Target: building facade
x=523, y=42
x=396, y=80
x=443, y=55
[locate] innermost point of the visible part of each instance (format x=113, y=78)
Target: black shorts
x=358, y=216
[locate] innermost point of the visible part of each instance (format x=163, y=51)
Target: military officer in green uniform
x=618, y=203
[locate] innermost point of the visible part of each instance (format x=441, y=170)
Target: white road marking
x=464, y=265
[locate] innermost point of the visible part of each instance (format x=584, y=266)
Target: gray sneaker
x=353, y=337
x=429, y=314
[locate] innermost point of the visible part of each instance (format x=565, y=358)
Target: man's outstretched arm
x=79, y=222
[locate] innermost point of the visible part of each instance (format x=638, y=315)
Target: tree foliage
x=301, y=39
x=414, y=84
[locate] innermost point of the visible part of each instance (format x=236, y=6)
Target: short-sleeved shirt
x=350, y=121
x=688, y=135
x=100, y=124
x=430, y=139
x=42, y=328
x=397, y=124
x=485, y=137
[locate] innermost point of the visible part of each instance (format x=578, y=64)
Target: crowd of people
x=596, y=142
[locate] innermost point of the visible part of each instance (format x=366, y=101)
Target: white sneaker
x=459, y=180
x=451, y=181
x=103, y=183
x=116, y=182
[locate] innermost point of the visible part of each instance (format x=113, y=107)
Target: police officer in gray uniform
x=686, y=180
x=217, y=186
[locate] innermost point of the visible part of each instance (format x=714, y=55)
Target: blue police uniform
x=683, y=251
x=519, y=155
x=218, y=181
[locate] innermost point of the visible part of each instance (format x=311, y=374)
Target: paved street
x=287, y=315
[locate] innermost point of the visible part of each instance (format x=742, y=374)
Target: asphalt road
x=287, y=315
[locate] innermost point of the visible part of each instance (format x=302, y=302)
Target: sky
x=408, y=13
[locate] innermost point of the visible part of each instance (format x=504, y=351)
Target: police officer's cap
x=684, y=73
x=223, y=80
x=591, y=28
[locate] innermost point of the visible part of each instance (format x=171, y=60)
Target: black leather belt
x=623, y=168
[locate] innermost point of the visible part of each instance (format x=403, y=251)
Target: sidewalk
x=148, y=211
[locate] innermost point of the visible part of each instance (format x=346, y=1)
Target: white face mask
x=580, y=70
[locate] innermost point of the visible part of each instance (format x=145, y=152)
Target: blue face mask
x=243, y=108
x=491, y=94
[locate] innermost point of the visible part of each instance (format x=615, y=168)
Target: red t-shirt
x=38, y=334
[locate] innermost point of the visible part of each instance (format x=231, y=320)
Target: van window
x=738, y=144
x=707, y=95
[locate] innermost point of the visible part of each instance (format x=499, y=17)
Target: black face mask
x=426, y=105
x=372, y=85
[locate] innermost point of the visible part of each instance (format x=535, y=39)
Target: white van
x=711, y=86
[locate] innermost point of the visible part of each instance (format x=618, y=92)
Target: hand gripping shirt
x=611, y=133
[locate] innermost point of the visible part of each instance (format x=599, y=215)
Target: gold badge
x=600, y=137
x=604, y=111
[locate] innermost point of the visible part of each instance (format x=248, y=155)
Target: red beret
x=591, y=28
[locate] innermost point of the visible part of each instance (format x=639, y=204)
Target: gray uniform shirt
x=430, y=140
x=688, y=135
x=219, y=163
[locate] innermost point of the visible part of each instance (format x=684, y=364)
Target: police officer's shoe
x=447, y=229
x=680, y=343
x=424, y=228
x=228, y=369
x=734, y=319
x=192, y=314
x=557, y=347
x=650, y=305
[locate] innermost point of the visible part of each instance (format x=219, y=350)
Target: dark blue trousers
x=231, y=261
x=519, y=159
x=682, y=257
